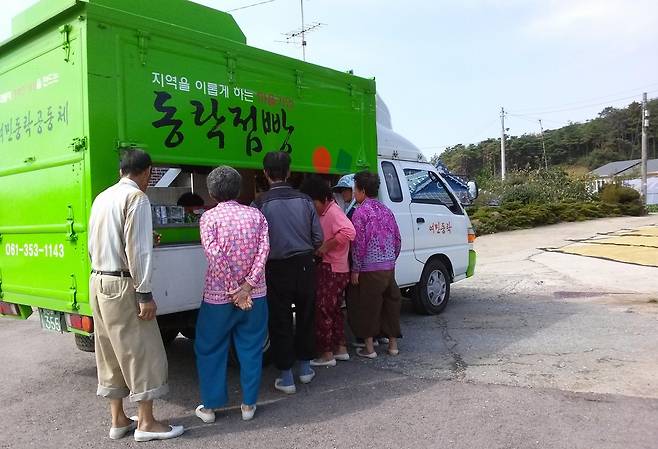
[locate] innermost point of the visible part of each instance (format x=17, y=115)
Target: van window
x=392, y=182
x=427, y=189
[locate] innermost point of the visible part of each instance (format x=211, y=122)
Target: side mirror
x=473, y=190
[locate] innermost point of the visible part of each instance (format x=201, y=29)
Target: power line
x=529, y=110
x=250, y=6
x=555, y=111
x=531, y=119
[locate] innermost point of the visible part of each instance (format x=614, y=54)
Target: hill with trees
x=614, y=135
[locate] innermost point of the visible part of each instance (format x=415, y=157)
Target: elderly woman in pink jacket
x=333, y=273
x=234, y=308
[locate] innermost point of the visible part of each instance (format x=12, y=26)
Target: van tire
x=432, y=293
x=85, y=342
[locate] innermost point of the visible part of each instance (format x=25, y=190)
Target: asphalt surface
x=538, y=350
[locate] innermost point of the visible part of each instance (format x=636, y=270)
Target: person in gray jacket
x=295, y=235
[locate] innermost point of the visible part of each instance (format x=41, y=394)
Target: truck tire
x=85, y=343
x=432, y=293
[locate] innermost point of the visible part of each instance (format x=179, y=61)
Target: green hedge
x=516, y=215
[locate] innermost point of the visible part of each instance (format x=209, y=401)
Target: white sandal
x=116, y=433
x=247, y=414
x=361, y=352
x=206, y=417
x=174, y=432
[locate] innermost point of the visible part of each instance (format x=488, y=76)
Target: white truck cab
x=437, y=236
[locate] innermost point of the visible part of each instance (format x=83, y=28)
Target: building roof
x=652, y=167
x=614, y=168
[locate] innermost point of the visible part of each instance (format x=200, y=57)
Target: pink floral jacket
x=236, y=242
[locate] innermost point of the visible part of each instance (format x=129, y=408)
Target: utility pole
x=502, y=143
x=645, y=128
x=543, y=144
x=303, y=31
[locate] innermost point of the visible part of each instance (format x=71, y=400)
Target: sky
x=445, y=68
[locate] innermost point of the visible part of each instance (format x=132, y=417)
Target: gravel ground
x=538, y=350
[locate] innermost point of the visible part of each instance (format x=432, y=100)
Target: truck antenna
x=292, y=37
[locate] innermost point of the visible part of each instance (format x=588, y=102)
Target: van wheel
x=433, y=291
x=85, y=342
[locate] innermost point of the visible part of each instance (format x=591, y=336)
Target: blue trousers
x=217, y=325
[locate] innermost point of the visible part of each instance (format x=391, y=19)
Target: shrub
x=618, y=194
x=511, y=216
x=540, y=187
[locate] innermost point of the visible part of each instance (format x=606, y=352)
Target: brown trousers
x=130, y=356
x=373, y=306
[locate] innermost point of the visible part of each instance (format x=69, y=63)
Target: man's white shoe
x=117, y=433
x=307, y=378
x=287, y=389
x=205, y=416
x=322, y=362
x=247, y=413
x=174, y=432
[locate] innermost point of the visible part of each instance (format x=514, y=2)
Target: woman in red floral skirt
x=333, y=273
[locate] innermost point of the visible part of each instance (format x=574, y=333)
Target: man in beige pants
x=130, y=356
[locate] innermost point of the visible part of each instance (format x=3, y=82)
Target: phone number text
x=35, y=250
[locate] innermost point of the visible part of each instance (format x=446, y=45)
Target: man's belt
x=121, y=274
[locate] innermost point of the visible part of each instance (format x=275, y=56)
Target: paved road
x=539, y=350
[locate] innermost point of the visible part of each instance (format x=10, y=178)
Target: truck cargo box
x=80, y=80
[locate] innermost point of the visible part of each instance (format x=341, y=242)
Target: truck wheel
x=85, y=343
x=433, y=291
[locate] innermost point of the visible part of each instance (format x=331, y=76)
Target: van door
x=439, y=223
x=396, y=197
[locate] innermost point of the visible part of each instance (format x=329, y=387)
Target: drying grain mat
x=634, y=246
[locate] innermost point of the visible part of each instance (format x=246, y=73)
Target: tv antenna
x=299, y=35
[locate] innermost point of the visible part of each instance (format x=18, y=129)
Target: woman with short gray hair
x=234, y=308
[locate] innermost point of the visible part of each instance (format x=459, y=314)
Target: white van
x=437, y=236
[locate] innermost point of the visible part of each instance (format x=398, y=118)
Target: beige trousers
x=130, y=356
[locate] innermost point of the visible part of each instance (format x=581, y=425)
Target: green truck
x=80, y=80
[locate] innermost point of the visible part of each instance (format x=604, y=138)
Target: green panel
x=472, y=258
x=43, y=214
x=179, y=235
x=229, y=103
x=182, y=14
x=38, y=13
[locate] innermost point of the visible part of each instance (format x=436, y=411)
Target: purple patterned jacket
x=377, y=243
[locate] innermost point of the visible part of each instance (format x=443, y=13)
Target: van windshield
x=428, y=189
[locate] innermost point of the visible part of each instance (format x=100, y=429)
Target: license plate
x=51, y=320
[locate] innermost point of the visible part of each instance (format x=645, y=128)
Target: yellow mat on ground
x=639, y=255
x=629, y=240
x=637, y=246
x=646, y=230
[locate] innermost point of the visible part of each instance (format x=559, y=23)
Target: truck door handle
x=420, y=220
